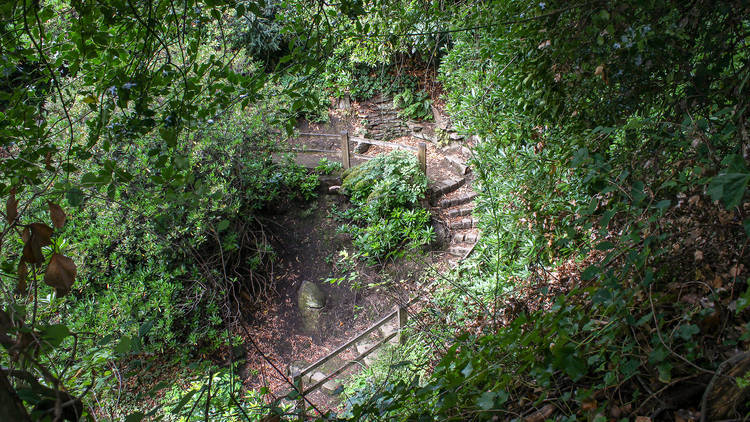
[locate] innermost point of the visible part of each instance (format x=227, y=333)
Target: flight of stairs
x=452, y=199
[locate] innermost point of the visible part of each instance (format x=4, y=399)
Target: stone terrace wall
x=382, y=121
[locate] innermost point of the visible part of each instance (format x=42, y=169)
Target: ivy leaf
x=490, y=399
x=687, y=331
x=486, y=401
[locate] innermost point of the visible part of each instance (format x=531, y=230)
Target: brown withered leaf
x=22, y=273
x=60, y=274
x=42, y=233
x=56, y=214
x=32, y=252
x=11, y=208
x=40, y=237
x=26, y=234
x=48, y=161
x=588, y=405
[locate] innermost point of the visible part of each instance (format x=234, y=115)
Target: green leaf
x=135, y=417
x=487, y=400
x=637, y=192
x=662, y=205
x=123, y=346
x=74, y=197
x=183, y=401
x=55, y=334
x=590, y=272
x=145, y=328
x=223, y=225
x=686, y=331
x=665, y=372
x=605, y=246
x=729, y=188
x=467, y=370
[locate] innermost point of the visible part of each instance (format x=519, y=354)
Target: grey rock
x=331, y=387
x=311, y=296
x=344, y=103
x=310, y=300
x=361, y=147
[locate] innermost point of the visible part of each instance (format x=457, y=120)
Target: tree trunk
x=723, y=397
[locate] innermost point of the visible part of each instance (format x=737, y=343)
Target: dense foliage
x=609, y=130
x=387, y=216
x=611, y=280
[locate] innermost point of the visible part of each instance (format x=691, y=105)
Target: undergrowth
x=387, y=218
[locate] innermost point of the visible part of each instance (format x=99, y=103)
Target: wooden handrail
x=382, y=143
x=345, y=366
x=346, y=345
x=322, y=135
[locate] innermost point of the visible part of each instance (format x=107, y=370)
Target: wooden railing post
x=422, y=156
x=297, y=381
x=345, y=150
x=402, y=315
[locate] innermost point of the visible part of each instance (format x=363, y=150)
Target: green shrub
x=386, y=217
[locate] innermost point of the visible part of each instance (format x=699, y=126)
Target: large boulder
x=311, y=296
x=311, y=300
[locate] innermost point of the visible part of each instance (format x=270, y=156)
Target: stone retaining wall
x=382, y=121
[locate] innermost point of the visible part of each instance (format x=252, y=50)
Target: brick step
x=446, y=186
x=459, y=200
x=459, y=251
x=460, y=212
x=463, y=237
x=464, y=223
x=457, y=164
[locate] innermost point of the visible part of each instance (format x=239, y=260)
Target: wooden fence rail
x=400, y=313
x=346, y=154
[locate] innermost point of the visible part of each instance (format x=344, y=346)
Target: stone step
x=459, y=212
x=365, y=345
x=459, y=251
x=388, y=329
x=459, y=200
x=457, y=149
x=458, y=165
x=330, y=387
x=446, y=186
x=463, y=237
x=464, y=223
